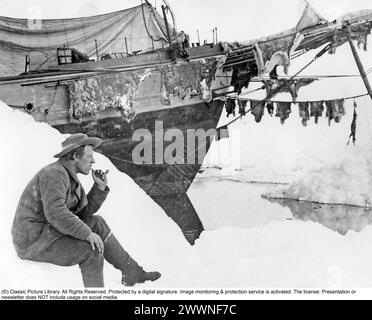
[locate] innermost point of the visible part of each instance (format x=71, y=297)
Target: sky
x=235, y=19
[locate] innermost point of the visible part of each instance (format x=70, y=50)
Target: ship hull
x=167, y=184
x=171, y=98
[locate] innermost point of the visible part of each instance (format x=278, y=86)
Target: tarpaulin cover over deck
x=41, y=38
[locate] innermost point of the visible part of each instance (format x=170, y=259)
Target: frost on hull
x=176, y=84
x=90, y=96
x=189, y=80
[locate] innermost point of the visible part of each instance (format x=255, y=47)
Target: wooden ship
x=144, y=73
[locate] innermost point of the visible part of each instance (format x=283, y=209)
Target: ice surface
x=249, y=242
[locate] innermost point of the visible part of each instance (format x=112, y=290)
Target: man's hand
x=100, y=179
x=96, y=242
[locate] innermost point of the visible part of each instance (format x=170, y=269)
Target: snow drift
x=266, y=250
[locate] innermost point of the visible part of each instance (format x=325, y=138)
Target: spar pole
x=359, y=64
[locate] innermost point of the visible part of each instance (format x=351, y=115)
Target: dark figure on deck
x=55, y=221
x=182, y=43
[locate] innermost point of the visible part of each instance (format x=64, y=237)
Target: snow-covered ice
x=248, y=242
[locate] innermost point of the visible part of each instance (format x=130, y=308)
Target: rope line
x=120, y=39
x=279, y=101
x=321, y=53
x=319, y=76
x=146, y=27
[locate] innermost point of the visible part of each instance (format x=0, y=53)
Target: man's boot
x=132, y=273
x=135, y=276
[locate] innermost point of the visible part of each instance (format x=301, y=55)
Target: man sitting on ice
x=55, y=221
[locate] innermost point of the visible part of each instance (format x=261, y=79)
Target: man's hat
x=75, y=141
